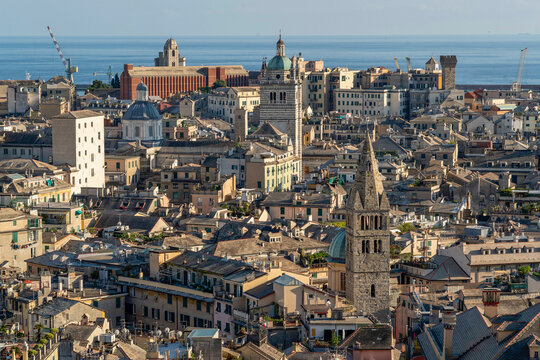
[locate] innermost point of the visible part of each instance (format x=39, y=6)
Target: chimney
x=490, y=298
x=449, y=322
x=81, y=285
x=60, y=285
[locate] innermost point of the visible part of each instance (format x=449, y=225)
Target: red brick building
x=167, y=81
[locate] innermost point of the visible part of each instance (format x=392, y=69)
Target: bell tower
x=367, y=256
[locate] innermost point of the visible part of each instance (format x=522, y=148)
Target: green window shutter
x=14, y=237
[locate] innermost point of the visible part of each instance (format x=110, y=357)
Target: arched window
x=367, y=246
x=173, y=54
x=372, y=290
x=375, y=246
x=284, y=97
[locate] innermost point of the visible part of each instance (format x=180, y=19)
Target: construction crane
x=397, y=65
x=516, y=85
x=109, y=73
x=408, y=63
x=70, y=70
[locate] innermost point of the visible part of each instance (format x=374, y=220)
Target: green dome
x=336, y=250
x=279, y=63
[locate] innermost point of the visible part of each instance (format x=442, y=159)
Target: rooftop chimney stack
x=449, y=322
x=490, y=298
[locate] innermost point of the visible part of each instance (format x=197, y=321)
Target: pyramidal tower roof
x=367, y=191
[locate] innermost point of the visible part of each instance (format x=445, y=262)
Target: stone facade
x=281, y=97
x=367, y=258
x=448, y=63
x=170, y=55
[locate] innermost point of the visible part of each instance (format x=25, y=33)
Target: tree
x=523, y=270
x=39, y=327
x=406, y=227
x=219, y=83
x=115, y=82
x=335, y=339
x=98, y=84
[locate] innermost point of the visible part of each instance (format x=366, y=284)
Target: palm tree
x=39, y=327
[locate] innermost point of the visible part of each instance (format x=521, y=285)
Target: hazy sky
x=253, y=17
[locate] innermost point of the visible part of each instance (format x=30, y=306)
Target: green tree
x=523, y=270
x=219, y=83
x=38, y=327
x=335, y=339
x=115, y=81
x=98, y=84
x=406, y=227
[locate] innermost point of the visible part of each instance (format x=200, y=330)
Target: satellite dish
x=158, y=333
x=151, y=333
x=178, y=334
x=167, y=330
x=117, y=332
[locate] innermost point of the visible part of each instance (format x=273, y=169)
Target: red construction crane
x=70, y=70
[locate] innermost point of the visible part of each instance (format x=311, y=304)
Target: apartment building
x=319, y=88
x=223, y=102
x=122, y=170
x=372, y=102
x=271, y=169
x=20, y=237
x=78, y=142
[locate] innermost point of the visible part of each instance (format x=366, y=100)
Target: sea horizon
x=482, y=59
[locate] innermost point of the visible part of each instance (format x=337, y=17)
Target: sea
x=482, y=59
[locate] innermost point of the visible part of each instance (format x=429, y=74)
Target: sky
x=254, y=17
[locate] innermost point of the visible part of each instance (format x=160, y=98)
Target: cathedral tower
x=367, y=255
x=281, y=97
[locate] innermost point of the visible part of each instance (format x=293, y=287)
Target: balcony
x=240, y=316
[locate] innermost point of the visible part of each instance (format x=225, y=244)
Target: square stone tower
x=448, y=64
x=367, y=255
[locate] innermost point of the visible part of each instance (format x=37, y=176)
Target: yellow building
x=122, y=170
x=271, y=169
x=20, y=237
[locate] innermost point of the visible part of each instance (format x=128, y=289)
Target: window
x=184, y=302
x=145, y=311
x=199, y=305
x=169, y=299
x=372, y=290
x=282, y=211
x=218, y=307
x=118, y=302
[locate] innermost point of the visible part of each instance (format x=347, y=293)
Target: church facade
x=367, y=254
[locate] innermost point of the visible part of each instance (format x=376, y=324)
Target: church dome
x=141, y=110
x=336, y=250
x=279, y=63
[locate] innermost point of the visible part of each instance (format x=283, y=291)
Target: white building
x=78, y=141
x=20, y=98
x=222, y=102
x=371, y=102
x=142, y=122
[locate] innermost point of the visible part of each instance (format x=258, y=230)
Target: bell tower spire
x=280, y=46
x=367, y=256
